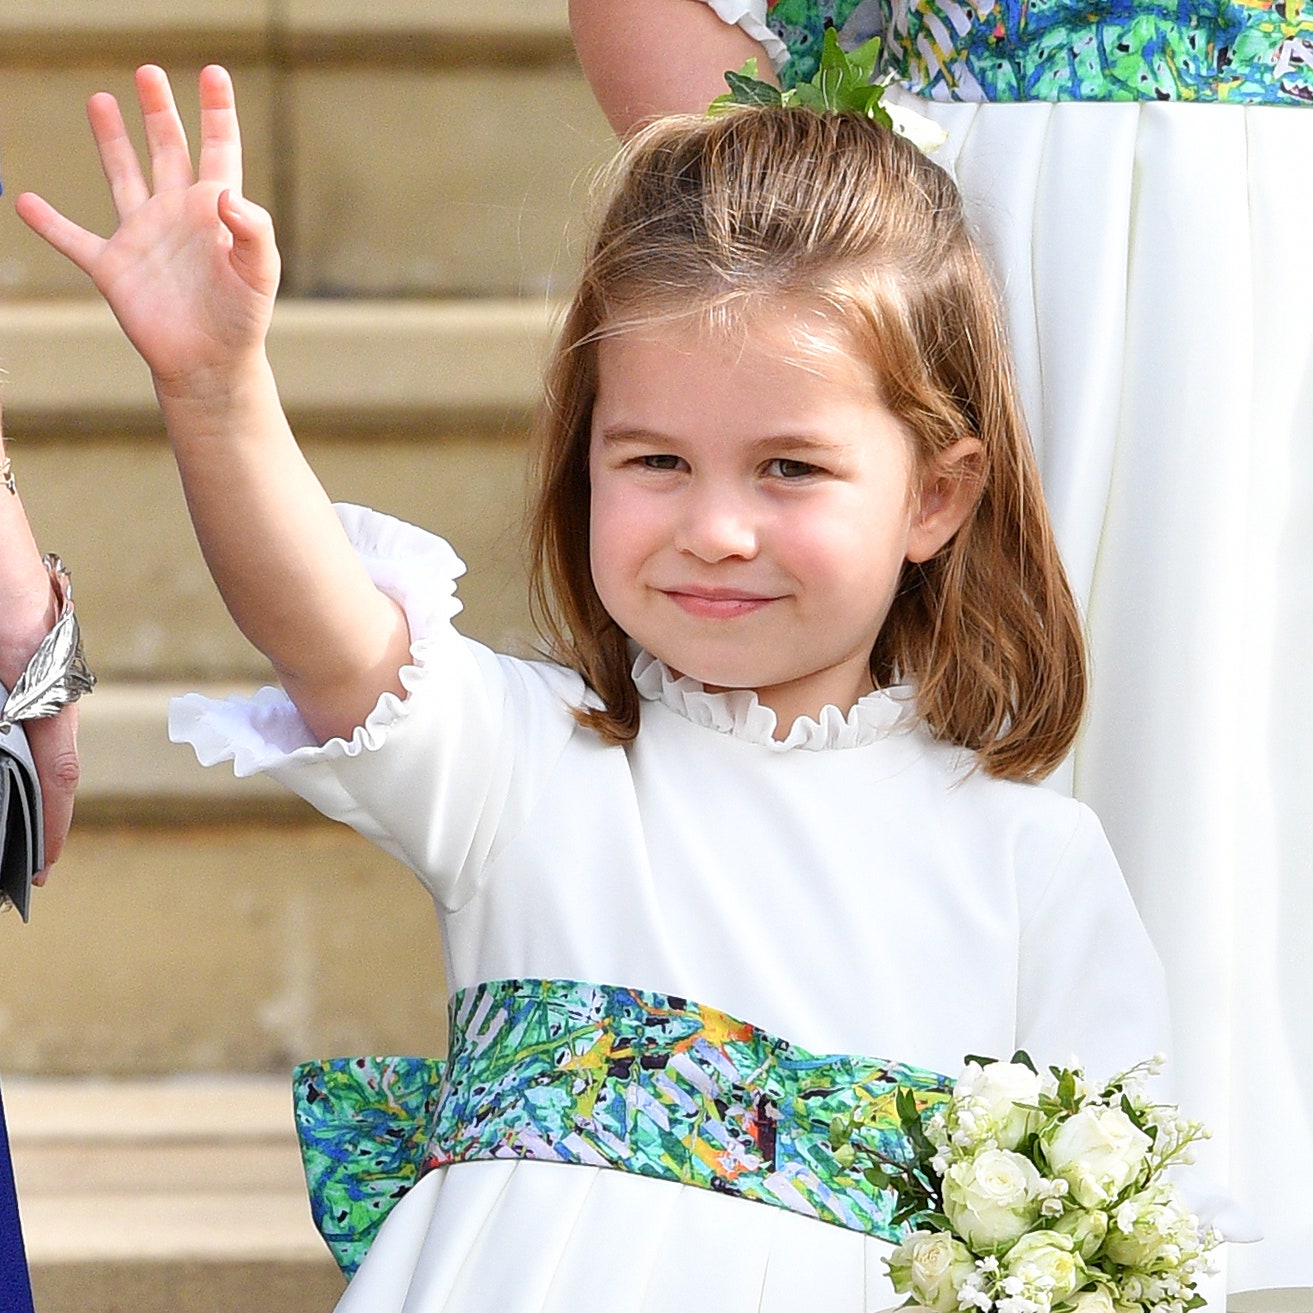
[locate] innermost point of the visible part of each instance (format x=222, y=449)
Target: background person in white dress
x=1139, y=227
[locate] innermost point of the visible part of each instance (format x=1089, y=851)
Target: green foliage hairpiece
x=842, y=84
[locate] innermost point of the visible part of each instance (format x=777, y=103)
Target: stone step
x=379, y=363
x=417, y=409
x=165, y=1194
x=388, y=173
x=241, y=947
x=129, y=769
x=187, y=1286
x=1278, y=1299
x=272, y=26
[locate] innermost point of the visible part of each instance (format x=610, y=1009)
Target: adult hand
x=28, y=611
x=192, y=269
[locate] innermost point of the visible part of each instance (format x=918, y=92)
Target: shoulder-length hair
x=725, y=217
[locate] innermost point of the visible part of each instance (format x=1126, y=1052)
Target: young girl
x=811, y=645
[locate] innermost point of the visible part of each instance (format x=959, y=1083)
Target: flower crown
x=845, y=83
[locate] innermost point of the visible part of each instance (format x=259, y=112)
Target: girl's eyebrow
x=621, y=436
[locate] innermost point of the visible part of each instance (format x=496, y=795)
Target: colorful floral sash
x=1244, y=51
x=567, y=1072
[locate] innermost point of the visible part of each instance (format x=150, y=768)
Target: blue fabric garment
x=15, y=1287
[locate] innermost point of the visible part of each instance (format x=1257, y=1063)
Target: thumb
x=254, y=254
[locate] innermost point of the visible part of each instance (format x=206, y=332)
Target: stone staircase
x=155, y=1196
x=426, y=162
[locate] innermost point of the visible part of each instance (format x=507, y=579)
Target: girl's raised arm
x=191, y=274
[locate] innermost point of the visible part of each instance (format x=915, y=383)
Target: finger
x=221, y=138
x=70, y=240
x=254, y=252
x=54, y=749
x=166, y=141
x=118, y=156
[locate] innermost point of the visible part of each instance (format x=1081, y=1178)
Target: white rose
x=1098, y=1152
x=1150, y=1228
x=1047, y=1260
x=1086, y=1228
x=930, y=1265
x=992, y=1199
x=993, y=1093
x=1092, y=1301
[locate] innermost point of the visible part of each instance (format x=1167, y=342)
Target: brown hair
x=722, y=217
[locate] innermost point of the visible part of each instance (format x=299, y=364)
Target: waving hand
x=192, y=269
x=191, y=273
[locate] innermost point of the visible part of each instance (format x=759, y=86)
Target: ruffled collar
x=879, y=714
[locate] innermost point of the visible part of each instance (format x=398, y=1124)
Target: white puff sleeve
x=435, y=778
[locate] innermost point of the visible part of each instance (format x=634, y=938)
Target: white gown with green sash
x=854, y=888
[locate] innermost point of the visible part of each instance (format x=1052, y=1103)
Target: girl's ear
x=949, y=490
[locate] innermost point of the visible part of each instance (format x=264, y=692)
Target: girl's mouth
x=717, y=603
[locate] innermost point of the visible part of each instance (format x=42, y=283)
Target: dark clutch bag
x=22, y=852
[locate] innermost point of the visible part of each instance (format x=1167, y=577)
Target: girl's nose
x=717, y=524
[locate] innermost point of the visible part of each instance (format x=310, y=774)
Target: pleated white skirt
x=1156, y=262
x=526, y=1237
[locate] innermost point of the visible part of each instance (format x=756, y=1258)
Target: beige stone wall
x=219, y=948
x=112, y=507
x=417, y=149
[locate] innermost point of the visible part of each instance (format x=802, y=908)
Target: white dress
x=1152, y=256
x=853, y=887
x=1167, y=361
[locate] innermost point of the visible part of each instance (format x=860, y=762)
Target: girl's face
x=753, y=502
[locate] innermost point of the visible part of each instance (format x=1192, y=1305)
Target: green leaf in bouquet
x=1024, y=1059
x=837, y=79
x=1028, y=1146
x=879, y=1178
x=841, y=1131
x=909, y=1117
x=935, y=1221
x=869, y=102
x=978, y=1060
x=750, y=90
x=809, y=95
x=1067, y=1090
x=1138, y=1117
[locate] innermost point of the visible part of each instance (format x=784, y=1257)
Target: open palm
x=192, y=269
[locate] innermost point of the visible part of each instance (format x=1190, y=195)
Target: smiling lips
x=717, y=603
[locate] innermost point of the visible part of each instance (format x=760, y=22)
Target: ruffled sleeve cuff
x=265, y=732
x=750, y=15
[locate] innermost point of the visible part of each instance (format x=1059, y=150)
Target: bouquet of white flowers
x=1039, y=1194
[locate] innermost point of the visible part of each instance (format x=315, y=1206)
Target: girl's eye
x=661, y=462
x=791, y=469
